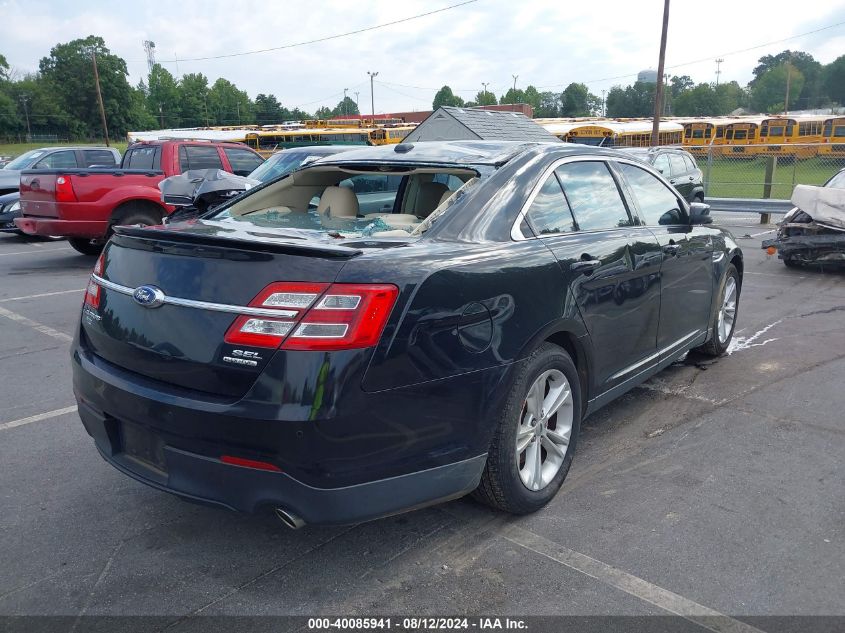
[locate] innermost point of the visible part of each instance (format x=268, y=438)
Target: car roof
x=58, y=147
x=315, y=150
x=467, y=152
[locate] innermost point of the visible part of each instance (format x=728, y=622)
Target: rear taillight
x=316, y=316
x=92, y=292
x=64, y=190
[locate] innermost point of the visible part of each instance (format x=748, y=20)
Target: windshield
x=279, y=165
x=25, y=160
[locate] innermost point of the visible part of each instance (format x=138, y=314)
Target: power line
x=326, y=38
x=709, y=57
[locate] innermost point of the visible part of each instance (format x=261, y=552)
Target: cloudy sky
x=546, y=43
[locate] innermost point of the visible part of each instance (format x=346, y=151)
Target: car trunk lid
x=206, y=278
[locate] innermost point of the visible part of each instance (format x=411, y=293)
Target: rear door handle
x=585, y=266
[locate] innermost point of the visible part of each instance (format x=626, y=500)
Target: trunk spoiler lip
x=284, y=247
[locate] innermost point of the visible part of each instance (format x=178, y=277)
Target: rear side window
x=57, y=160
x=679, y=167
x=199, y=157
x=593, y=196
x=657, y=203
x=690, y=163
x=243, y=161
x=661, y=164
x=142, y=158
x=549, y=212
x=97, y=157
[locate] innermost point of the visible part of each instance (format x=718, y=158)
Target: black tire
x=86, y=246
x=138, y=214
x=791, y=263
x=501, y=486
x=714, y=346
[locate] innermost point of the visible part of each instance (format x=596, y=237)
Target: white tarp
x=826, y=205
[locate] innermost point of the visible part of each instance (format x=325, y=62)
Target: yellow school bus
x=266, y=142
x=625, y=133
x=700, y=134
x=780, y=134
x=833, y=138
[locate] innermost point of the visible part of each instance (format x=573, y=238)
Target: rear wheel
x=724, y=321
x=86, y=246
x=138, y=214
x=535, y=435
x=791, y=263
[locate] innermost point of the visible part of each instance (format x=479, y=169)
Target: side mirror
x=699, y=213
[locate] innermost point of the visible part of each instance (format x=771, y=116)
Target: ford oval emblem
x=148, y=296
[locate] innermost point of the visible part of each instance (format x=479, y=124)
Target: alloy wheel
x=727, y=313
x=544, y=431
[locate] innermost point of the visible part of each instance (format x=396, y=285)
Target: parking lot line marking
x=630, y=584
x=44, y=294
x=35, y=325
x=40, y=251
x=36, y=418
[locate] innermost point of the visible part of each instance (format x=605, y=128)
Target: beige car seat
x=338, y=202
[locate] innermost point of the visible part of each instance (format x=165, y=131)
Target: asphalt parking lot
x=715, y=489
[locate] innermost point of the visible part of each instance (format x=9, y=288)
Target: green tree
x=4, y=68
x=163, y=97
x=577, y=100
x=323, y=113
x=484, y=98
x=69, y=72
x=345, y=107
x=193, y=101
x=548, y=105
x=769, y=89
x=513, y=96
x=636, y=100
x=811, y=93
x=268, y=110
x=834, y=80
x=532, y=97
x=227, y=105
x=445, y=97
x=680, y=84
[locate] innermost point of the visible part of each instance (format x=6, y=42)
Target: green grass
x=744, y=178
x=16, y=149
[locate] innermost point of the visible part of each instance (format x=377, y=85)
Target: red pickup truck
x=85, y=204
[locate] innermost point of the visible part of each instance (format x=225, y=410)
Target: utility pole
x=238, y=109
x=485, y=84
x=719, y=61
x=24, y=99
x=515, y=77
x=658, y=93
x=372, y=75
x=603, y=92
x=788, y=77
x=205, y=103
x=344, y=101
x=100, y=94
x=161, y=115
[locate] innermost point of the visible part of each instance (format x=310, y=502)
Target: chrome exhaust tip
x=289, y=518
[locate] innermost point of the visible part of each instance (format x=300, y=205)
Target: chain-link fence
x=765, y=171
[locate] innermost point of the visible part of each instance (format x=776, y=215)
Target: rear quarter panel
x=463, y=308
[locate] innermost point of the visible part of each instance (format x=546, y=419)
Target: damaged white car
x=814, y=231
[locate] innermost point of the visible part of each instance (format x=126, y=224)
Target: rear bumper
x=397, y=451
x=67, y=228
x=210, y=481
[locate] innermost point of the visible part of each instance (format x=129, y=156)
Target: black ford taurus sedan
x=287, y=351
